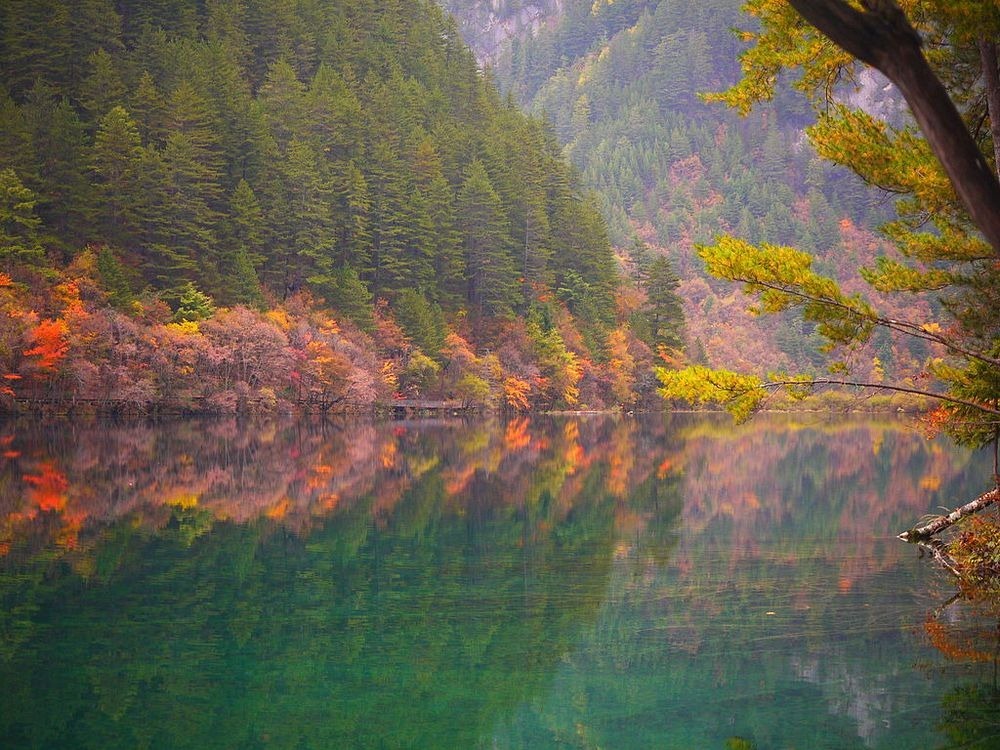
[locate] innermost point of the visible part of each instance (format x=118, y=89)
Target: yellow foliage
x=184, y=501
x=389, y=375
x=185, y=327
x=515, y=393
x=280, y=318
x=741, y=395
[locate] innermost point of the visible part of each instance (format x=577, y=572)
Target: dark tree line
x=253, y=149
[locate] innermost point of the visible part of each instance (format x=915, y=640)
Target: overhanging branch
x=986, y=409
x=881, y=36
x=905, y=327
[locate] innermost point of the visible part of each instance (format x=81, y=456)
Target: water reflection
x=538, y=583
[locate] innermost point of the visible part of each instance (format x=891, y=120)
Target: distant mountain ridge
x=489, y=26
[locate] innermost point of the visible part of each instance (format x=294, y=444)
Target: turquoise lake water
x=593, y=582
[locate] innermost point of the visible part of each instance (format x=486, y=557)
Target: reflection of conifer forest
x=439, y=585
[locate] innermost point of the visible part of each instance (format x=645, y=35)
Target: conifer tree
x=351, y=216
x=303, y=222
x=491, y=274
x=59, y=143
x=19, y=242
x=149, y=109
x=102, y=88
x=114, y=278
x=114, y=163
x=664, y=308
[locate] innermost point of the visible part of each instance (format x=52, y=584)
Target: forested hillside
x=245, y=203
x=621, y=83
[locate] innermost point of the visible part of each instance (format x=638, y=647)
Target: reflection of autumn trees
x=78, y=478
x=782, y=600
x=82, y=476
x=362, y=585
x=966, y=630
x=375, y=566
x=858, y=476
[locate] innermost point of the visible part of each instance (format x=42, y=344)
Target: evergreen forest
x=627, y=89
x=251, y=204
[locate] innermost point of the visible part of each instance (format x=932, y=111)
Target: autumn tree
x=951, y=259
x=940, y=172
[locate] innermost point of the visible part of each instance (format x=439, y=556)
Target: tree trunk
x=991, y=82
x=923, y=533
x=882, y=37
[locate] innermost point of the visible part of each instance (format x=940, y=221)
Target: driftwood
x=925, y=532
x=939, y=551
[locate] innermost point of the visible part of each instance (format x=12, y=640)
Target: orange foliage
x=457, y=481
x=515, y=393
x=48, y=487
x=958, y=645
x=934, y=420
x=50, y=345
x=388, y=455
x=280, y=509
x=516, y=436
x=930, y=482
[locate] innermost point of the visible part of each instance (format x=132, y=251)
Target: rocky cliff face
x=488, y=25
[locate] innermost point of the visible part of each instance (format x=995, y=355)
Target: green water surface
x=595, y=582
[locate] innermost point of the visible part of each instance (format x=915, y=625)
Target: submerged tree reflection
x=302, y=585
x=966, y=629
x=538, y=583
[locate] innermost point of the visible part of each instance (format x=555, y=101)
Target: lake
x=592, y=582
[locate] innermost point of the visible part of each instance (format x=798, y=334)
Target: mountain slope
x=621, y=82
x=249, y=153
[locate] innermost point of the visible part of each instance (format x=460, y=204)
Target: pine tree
x=59, y=142
x=345, y=291
x=351, y=209
x=114, y=278
x=282, y=97
x=308, y=231
x=149, y=109
x=422, y=320
x=331, y=115
x=492, y=281
x=193, y=304
x=388, y=188
x=16, y=146
x=186, y=230
x=246, y=220
x=115, y=162
x=664, y=308
x=19, y=242
x=103, y=87
x=36, y=46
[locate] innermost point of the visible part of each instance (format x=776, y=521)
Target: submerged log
x=923, y=533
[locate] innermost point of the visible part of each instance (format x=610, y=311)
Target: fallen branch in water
x=939, y=551
x=922, y=533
